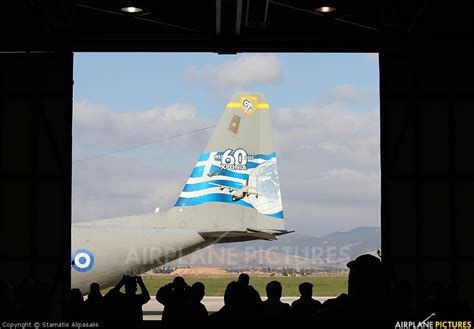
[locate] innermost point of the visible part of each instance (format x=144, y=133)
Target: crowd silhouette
x=115, y=305
x=371, y=296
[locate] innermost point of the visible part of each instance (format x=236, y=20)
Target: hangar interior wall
x=35, y=171
x=427, y=136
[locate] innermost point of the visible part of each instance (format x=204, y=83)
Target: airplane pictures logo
x=82, y=260
x=429, y=323
x=233, y=160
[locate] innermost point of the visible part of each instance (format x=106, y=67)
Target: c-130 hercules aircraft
x=233, y=194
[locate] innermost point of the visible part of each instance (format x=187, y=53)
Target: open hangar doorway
x=138, y=131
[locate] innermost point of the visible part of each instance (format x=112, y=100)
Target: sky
x=325, y=112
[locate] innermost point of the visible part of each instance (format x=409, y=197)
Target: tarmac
x=153, y=310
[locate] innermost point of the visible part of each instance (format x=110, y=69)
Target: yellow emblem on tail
x=248, y=104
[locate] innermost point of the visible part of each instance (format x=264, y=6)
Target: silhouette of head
x=306, y=290
x=95, y=288
x=365, y=277
x=274, y=290
x=231, y=294
x=198, y=291
x=179, y=284
x=130, y=285
x=244, y=279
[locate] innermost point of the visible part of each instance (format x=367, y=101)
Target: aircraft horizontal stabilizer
x=247, y=235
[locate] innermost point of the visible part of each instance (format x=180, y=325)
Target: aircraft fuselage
x=103, y=254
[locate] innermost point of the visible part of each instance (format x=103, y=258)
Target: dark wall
x=35, y=171
x=427, y=136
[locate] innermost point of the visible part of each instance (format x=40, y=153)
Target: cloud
x=329, y=164
x=321, y=218
x=331, y=134
x=138, y=180
x=116, y=186
x=328, y=160
x=348, y=93
x=245, y=71
x=97, y=128
x=351, y=94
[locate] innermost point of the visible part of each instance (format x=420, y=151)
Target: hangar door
x=35, y=171
x=427, y=136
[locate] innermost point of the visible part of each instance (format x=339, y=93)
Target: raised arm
x=145, y=294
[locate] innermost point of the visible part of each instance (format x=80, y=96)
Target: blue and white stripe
x=200, y=188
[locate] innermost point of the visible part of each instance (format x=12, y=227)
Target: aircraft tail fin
x=238, y=165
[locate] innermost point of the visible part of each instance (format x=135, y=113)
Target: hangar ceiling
x=230, y=25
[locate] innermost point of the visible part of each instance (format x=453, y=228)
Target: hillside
x=330, y=252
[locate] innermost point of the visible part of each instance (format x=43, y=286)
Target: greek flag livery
x=238, y=166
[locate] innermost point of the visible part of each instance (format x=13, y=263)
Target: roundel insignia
x=82, y=260
x=248, y=104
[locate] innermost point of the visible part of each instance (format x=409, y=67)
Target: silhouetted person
x=113, y=303
x=133, y=302
x=332, y=302
x=127, y=306
x=304, y=307
x=232, y=309
x=195, y=310
x=174, y=297
x=250, y=298
x=94, y=305
x=273, y=308
x=367, y=294
x=8, y=311
x=74, y=308
x=252, y=294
